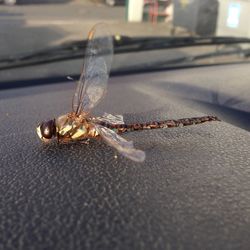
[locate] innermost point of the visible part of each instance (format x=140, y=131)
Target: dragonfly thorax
x=72, y=127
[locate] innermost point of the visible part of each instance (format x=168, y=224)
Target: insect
x=79, y=125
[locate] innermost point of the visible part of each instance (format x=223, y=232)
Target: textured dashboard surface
x=192, y=191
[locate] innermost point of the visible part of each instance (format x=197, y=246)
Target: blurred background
x=27, y=25
x=32, y=26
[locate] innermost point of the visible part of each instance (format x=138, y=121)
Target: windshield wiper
x=62, y=52
x=122, y=44
x=127, y=44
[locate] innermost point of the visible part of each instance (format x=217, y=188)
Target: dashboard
x=191, y=192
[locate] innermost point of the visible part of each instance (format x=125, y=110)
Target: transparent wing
x=92, y=84
x=111, y=119
x=126, y=148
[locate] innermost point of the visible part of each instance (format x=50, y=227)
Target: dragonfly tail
x=122, y=128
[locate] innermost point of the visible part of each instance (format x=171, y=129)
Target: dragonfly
x=80, y=125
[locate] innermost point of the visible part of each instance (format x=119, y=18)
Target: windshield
x=148, y=34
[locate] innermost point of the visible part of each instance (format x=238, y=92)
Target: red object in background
x=154, y=9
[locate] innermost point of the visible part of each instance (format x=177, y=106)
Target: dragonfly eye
x=48, y=129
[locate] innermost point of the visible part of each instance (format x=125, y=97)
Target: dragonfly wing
x=126, y=148
x=92, y=84
x=111, y=119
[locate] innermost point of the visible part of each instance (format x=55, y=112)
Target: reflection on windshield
x=32, y=25
x=36, y=32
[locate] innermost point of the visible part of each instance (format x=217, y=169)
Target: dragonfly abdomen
x=122, y=128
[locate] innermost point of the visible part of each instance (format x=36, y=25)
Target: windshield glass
x=148, y=34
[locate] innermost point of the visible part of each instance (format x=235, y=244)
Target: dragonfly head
x=46, y=130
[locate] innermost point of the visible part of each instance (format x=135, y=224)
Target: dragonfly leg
x=85, y=141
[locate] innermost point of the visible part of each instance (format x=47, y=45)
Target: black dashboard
x=192, y=191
